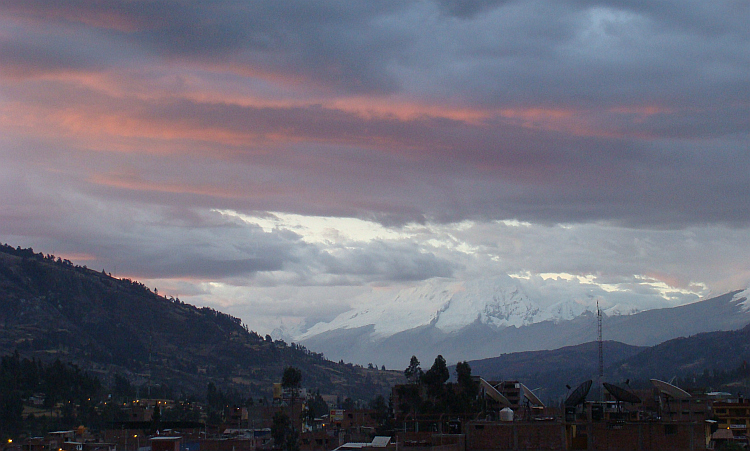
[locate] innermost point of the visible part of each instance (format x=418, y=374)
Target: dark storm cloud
x=333, y=43
x=568, y=53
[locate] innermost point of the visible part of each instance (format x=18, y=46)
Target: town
x=426, y=413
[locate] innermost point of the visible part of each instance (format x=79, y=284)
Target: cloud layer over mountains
x=281, y=159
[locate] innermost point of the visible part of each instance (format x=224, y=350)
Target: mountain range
x=51, y=309
x=485, y=318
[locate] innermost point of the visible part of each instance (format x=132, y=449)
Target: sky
x=283, y=161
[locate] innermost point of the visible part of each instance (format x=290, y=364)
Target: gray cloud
x=404, y=170
x=125, y=125
x=383, y=262
x=575, y=53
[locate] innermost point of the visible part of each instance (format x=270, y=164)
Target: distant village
x=427, y=413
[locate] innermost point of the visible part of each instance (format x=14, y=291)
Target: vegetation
x=292, y=380
x=283, y=433
x=71, y=392
x=430, y=392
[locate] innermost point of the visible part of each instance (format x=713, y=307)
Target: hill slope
x=547, y=372
x=691, y=356
x=50, y=308
x=711, y=360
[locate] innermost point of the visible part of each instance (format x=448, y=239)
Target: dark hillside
x=708, y=361
x=689, y=358
x=50, y=308
x=547, y=372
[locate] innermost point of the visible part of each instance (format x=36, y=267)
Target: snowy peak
x=390, y=313
x=496, y=302
x=448, y=306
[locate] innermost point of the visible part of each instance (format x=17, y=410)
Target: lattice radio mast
x=601, y=350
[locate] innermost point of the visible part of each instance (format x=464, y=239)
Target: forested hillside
x=50, y=309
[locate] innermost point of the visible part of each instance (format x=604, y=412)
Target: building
x=732, y=416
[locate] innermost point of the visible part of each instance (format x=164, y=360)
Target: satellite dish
x=670, y=390
x=531, y=396
x=493, y=393
x=621, y=394
x=579, y=394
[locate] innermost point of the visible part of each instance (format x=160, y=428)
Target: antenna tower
x=601, y=350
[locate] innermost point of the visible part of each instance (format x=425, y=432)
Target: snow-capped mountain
x=449, y=306
x=483, y=318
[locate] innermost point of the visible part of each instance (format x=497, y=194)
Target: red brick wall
x=645, y=436
x=502, y=436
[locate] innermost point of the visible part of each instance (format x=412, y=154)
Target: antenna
x=601, y=351
x=622, y=395
x=579, y=394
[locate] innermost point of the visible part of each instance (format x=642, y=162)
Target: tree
x=413, y=372
x=380, y=415
x=215, y=401
x=348, y=404
x=292, y=379
x=434, y=379
x=318, y=405
x=156, y=418
x=283, y=433
x=438, y=374
x=468, y=390
x=463, y=374
x=11, y=412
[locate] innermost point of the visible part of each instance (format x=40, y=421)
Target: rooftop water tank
x=506, y=414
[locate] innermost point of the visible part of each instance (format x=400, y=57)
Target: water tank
x=506, y=414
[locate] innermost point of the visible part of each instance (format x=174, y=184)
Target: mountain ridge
x=50, y=308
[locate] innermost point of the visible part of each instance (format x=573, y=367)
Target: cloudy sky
x=281, y=160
